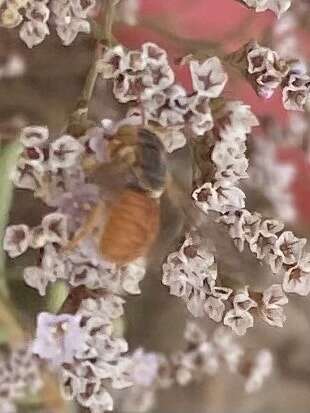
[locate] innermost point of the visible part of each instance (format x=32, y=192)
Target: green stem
x=8, y=158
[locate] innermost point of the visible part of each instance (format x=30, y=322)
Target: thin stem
x=102, y=31
x=8, y=158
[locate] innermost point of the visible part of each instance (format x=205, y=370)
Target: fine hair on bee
x=129, y=223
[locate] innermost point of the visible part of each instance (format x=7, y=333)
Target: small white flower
x=33, y=32
x=208, y=77
x=289, y=248
x=28, y=175
x=238, y=321
x=242, y=301
x=277, y=6
x=145, y=368
x=214, y=308
x=16, y=240
x=297, y=277
x=64, y=152
x=260, y=369
x=55, y=228
x=113, y=62
x=36, y=278
x=272, y=305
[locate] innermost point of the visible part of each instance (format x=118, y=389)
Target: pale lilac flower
x=58, y=337
x=145, y=368
x=194, y=334
x=260, y=369
x=14, y=66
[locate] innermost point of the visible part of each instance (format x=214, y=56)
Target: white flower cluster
x=267, y=72
x=19, y=378
x=69, y=17
x=191, y=274
x=203, y=356
x=146, y=77
x=53, y=171
x=85, y=349
x=272, y=178
x=233, y=123
x=282, y=251
x=206, y=356
x=296, y=87
x=277, y=6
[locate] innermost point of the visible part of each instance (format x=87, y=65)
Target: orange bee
x=129, y=223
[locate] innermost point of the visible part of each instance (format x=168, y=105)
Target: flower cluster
x=69, y=17
x=52, y=169
x=146, y=77
x=233, y=122
x=20, y=377
x=281, y=250
x=202, y=356
x=277, y=6
x=267, y=72
x=86, y=351
x=191, y=274
x=81, y=342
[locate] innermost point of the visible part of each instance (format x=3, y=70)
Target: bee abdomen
x=131, y=227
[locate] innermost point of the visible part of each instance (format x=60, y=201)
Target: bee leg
x=92, y=222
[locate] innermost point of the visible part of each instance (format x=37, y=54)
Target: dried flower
x=209, y=78
x=58, y=337
x=272, y=302
x=17, y=240
x=238, y=320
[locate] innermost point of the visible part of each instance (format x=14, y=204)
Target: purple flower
x=58, y=338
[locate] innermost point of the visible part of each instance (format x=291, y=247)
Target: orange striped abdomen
x=131, y=227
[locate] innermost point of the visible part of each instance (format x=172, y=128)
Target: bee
x=128, y=224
